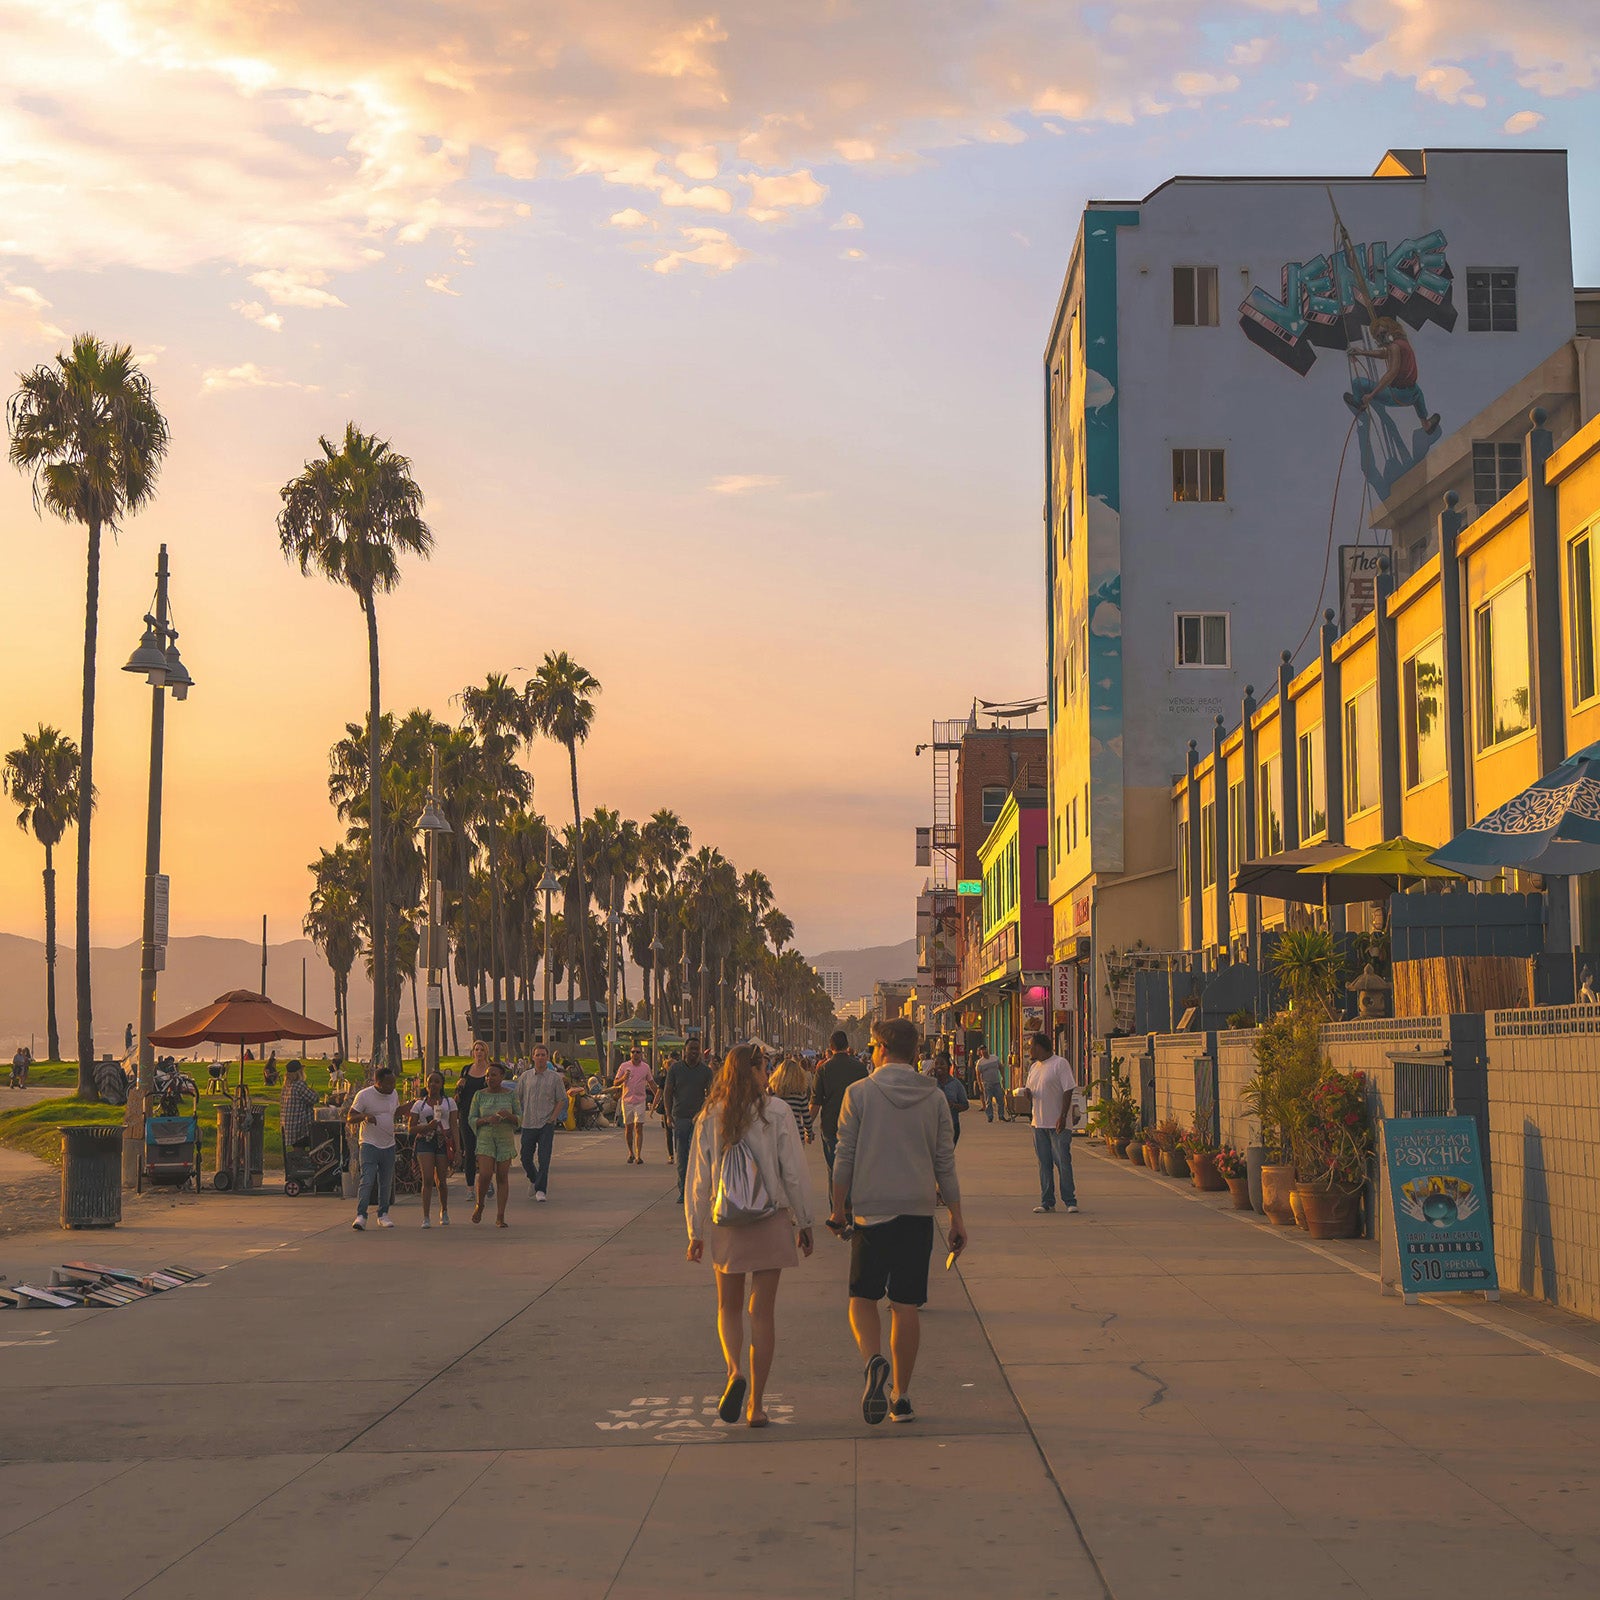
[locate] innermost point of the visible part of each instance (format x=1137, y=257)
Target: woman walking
x=738, y=1111
x=955, y=1091
x=792, y=1084
x=433, y=1120
x=473, y=1078
x=494, y=1118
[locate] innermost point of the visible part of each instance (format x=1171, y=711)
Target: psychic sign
x=1440, y=1206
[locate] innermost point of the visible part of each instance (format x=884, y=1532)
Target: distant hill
x=863, y=968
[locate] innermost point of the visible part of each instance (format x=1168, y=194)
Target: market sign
x=970, y=886
x=1440, y=1206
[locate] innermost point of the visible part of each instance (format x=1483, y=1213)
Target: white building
x=832, y=983
x=1204, y=464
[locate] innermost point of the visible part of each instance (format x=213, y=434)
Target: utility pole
x=263, y=953
x=433, y=823
x=547, y=887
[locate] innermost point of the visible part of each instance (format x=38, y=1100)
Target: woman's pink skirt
x=761, y=1247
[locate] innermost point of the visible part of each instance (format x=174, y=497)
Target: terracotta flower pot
x=1239, y=1188
x=1329, y=1213
x=1297, y=1209
x=1119, y=1148
x=1277, y=1185
x=1203, y=1172
x=1175, y=1163
x=1152, y=1156
x=1136, y=1152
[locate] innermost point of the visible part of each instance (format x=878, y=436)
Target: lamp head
x=149, y=658
x=176, y=676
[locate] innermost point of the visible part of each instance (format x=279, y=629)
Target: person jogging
x=896, y=1154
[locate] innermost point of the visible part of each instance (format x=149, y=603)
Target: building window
x=1580, y=618
x=1496, y=471
x=1194, y=297
x=1424, y=703
x=1236, y=820
x=1269, y=806
x=1198, y=475
x=1074, y=822
x=1041, y=874
x=1313, y=785
x=1203, y=639
x=994, y=802
x=1208, y=844
x=1492, y=302
x=1361, y=754
x=1183, y=860
x=1503, y=666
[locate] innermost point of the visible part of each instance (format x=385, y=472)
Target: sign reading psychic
x=1440, y=1206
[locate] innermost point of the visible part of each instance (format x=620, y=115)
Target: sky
x=713, y=334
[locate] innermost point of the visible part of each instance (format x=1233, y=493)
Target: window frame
x=1484, y=697
x=1041, y=874
x=1199, y=303
x=1208, y=844
x=1355, y=742
x=1202, y=665
x=1210, y=463
x=1585, y=537
x=1412, y=777
x=1269, y=804
x=1185, y=887
x=1309, y=743
x=1236, y=824
x=1502, y=451
x=989, y=789
x=1489, y=289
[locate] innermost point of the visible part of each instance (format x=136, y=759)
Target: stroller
x=317, y=1165
x=171, y=1153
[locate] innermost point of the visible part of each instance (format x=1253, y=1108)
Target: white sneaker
x=538, y=1194
x=427, y=1222
x=360, y=1224
x=384, y=1222
x=1072, y=1211
x=444, y=1219
x=1043, y=1211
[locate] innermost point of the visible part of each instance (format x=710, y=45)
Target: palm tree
x=333, y=924
x=41, y=776
x=350, y=515
x=88, y=430
x=560, y=699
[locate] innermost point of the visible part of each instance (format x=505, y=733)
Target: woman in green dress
x=494, y=1120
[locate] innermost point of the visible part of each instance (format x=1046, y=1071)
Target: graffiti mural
x=1328, y=298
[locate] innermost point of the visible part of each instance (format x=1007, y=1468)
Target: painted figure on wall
x=1397, y=384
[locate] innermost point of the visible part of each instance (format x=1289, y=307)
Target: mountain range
x=863, y=968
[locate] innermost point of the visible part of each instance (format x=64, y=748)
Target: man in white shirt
x=373, y=1111
x=1051, y=1082
x=542, y=1100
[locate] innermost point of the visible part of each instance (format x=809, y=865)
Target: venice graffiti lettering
x=1323, y=305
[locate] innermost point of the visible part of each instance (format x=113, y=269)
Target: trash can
x=91, y=1177
x=258, y=1140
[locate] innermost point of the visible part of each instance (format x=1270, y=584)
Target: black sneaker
x=901, y=1411
x=874, y=1399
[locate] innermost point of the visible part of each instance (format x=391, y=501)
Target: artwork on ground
x=1366, y=301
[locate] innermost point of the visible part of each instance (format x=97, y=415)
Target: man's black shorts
x=891, y=1258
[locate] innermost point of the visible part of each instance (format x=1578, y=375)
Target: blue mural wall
x=1102, y=477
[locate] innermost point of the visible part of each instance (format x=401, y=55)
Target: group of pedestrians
x=888, y=1139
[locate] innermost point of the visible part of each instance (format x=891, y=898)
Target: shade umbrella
x=241, y=1017
x=1552, y=827
x=1284, y=877
x=1394, y=864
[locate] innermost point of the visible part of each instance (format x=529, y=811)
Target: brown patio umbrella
x=239, y=1017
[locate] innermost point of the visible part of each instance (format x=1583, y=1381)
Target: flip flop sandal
x=732, y=1402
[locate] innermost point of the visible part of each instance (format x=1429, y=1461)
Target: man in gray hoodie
x=895, y=1159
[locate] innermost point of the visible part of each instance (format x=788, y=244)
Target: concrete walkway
x=1150, y=1394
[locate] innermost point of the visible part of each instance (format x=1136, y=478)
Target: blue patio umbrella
x=1552, y=827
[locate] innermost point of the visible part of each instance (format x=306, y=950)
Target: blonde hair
x=788, y=1078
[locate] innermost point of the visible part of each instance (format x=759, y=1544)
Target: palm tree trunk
x=583, y=906
x=450, y=1001
x=52, y=1031
x=91, y=636
x=416, y=1017
x=379, y=919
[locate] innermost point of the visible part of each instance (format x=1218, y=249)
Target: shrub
x=1230, y=1163
x=1167, y=1134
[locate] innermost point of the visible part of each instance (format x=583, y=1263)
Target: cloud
x=25, y=326
x=1249, y=53
x=247, y=375
x=702, y=247
x=742, y=483
x=254, y=311
x=1523, y=121
x=848, y=222
x=852, y=255
x=773, y=198
x=440, y=284
x=302, y=288
x=632, y=217
x=1196, y=85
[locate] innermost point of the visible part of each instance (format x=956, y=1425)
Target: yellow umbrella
x=1399, y=861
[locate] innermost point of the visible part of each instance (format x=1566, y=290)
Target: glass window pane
x=1511, y=688
x=1424, y=720
x=1183, y=296
x=1580, y=619
x=1216, y=641
x=1206, y=296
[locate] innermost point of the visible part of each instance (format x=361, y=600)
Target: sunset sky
x=713, y=333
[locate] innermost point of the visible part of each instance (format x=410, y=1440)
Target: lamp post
x=655, y=981
x=434, y=824
x=157, y=659
x=547, y=887
x=613, y=922
x=705, y=1019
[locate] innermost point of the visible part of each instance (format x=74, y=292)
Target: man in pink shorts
x=637, y=1084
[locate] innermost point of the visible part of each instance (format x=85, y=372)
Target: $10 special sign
x=1441, y=1206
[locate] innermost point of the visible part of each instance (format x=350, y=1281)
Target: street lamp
x=156, y=660
x=655, y=981
x=434, y=824
x=705, y=972
x=613, y=923
x=547, y=887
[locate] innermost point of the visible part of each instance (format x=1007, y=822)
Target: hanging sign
x=970, y=886
x=1440, y=1207
x=161, y=900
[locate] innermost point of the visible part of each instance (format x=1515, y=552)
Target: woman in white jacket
x=739, y=1108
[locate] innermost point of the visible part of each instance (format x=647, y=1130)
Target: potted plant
x=1168, y=1135
x=1332, y=1148
x=1115, y=1117
x=1234, y=1171
x=1289, y=1065
x=1201, y=1152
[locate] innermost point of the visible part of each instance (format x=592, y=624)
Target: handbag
x=741, y=1196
